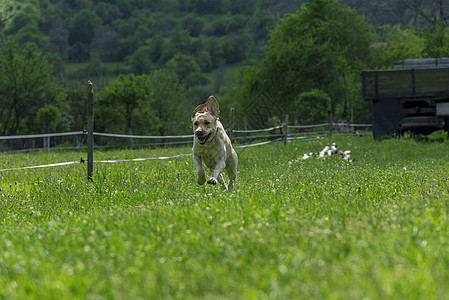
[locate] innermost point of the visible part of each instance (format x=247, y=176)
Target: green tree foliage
x=193, y=24
x=437, y=42
x=83, y=27
x=105, y=44
x=173, y=111
x=183, y=66
x=48, y=117
x=126, y=106
x=140, y=60
x=25, y=25
x=117, y=29
x=145, y=34
x=156, y=48
x=313, y=107
x=28, y=14
x=26, y=84
x=410, y=13
x=58, y=35
x=31, y=34
x=75, y=98
x=320, y=47
x=7, y=11
x=396, y=44
x=154, y=104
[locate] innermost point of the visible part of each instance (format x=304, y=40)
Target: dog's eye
x=207, y=122
x=196, y=123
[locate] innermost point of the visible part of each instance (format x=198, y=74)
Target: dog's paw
x=201, y=179
x=212, y=180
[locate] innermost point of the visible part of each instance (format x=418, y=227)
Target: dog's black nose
x=199, y=133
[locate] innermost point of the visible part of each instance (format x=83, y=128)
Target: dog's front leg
x=201, y=179
x=223, y=184
x=221, y=164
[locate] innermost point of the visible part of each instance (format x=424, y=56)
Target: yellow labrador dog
x=212, y=145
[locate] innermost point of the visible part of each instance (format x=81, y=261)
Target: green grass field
x=316, y=229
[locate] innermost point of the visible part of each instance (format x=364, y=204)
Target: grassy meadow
x=377, y=228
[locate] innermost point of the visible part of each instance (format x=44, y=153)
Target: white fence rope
x=279, y=137
x=309, y=126
x=43, y=135
x=141, y=159
x=96, y=161
x=43, y=166
x=124, y=160
x=46, y=135
x=258, y=130
x=144, y=136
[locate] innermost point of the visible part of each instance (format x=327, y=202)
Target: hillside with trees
x=147, y=34
x=316, y=55
x=169, y=56
x=195, y=41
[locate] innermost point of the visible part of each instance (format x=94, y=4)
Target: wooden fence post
x=231, y=126
x=90, y=130
x=330, y=126
x=286, y=130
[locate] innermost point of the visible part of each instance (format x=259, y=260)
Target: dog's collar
x=214, y=135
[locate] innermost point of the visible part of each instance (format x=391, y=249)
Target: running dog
x=212, y=145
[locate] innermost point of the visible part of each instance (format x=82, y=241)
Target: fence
x=77, y=139
x=285, y=134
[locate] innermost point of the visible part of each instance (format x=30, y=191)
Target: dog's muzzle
x=201, y=138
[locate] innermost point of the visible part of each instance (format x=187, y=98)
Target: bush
x=313, y=107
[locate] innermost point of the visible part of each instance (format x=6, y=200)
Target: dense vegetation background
x=152, y=61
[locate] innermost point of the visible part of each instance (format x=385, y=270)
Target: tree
x=410, y=13
x=77, y=105
x=193, y=25
x=322, y=47
x=313, y=107
x=217, y=6
x=180, y=38
x=7, y=11
x=156, y=48
x=105, y=44
x=204, y=61
x=31, y=34
x=26, y=84
x=83, y=27
x=235, y=47
x=48, y=117
x=140, y=36
x=26, y=15
x=243, y=6
x=127, y=104
x=396, y=44
x=428, y=12
x=172, y=107
x=183, y=65
x=24, y=25
x=58, y=35
x=437, y=42
x=140, y=60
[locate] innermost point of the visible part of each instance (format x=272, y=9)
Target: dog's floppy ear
x=212, y=106
x=199, y=108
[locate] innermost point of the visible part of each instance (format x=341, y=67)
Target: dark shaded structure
x=413, y=96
